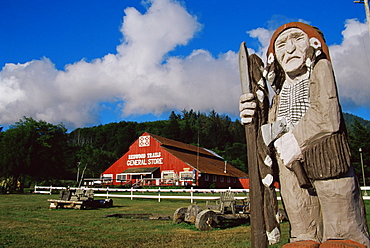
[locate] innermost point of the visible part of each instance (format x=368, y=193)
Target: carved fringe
x=329, y=157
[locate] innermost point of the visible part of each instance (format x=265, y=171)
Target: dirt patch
x=141, y=216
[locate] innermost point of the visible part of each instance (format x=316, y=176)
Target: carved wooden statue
x=306, y=132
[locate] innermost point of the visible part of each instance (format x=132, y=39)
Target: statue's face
x=291, y=49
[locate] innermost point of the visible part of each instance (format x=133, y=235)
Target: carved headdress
x=317, y=50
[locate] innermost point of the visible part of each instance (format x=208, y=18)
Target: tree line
x=37, y=152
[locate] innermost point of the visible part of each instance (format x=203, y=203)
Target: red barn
x=154, y=160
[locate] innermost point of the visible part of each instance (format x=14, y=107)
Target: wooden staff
x=258, y=228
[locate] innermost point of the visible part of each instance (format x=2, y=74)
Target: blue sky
x=91, y=62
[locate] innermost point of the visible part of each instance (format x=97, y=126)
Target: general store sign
x=149, y=158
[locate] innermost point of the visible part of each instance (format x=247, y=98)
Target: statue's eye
x=300, y=37
x=280, y=45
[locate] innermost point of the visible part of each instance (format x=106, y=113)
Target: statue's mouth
x=291, y=58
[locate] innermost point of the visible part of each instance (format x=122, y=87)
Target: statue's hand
x=288, y=149
x=247, y=106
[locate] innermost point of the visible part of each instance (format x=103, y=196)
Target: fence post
x=107, y=192
x=159, y=194
x=132, y=193
x=191, y=195
x=35, y=189
x=51, y=189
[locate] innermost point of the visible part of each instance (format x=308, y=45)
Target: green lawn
x=27, y=221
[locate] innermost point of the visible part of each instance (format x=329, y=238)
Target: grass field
x=27, y=221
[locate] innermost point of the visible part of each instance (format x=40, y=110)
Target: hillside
x=349, y=119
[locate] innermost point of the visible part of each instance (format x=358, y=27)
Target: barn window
x=214, y=178
x=168, y=175
x=228, y=179
x=186, y=175
x=221, y=178
x=107, y=178
x=206, y=177
x=121, y=177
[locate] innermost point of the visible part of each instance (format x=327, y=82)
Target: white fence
x=155, y=193
x=133, y=193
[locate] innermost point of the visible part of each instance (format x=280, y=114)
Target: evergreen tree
x=33, y=150
x=359, y=137
x=173, y=130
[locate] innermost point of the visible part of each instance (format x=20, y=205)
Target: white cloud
x=147, y=80
x=263, y=35
x=351, y=62
x=137, y=74
x=27, y=90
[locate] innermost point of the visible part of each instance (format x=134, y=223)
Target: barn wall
x=147, y=152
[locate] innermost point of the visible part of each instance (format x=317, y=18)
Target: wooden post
x=191, y=194
x=258, y=229
x=258, y=233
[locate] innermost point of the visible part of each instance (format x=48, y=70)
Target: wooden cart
x=80, y=199
x=213, y=215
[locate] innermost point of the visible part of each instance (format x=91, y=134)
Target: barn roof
x=199, y=158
